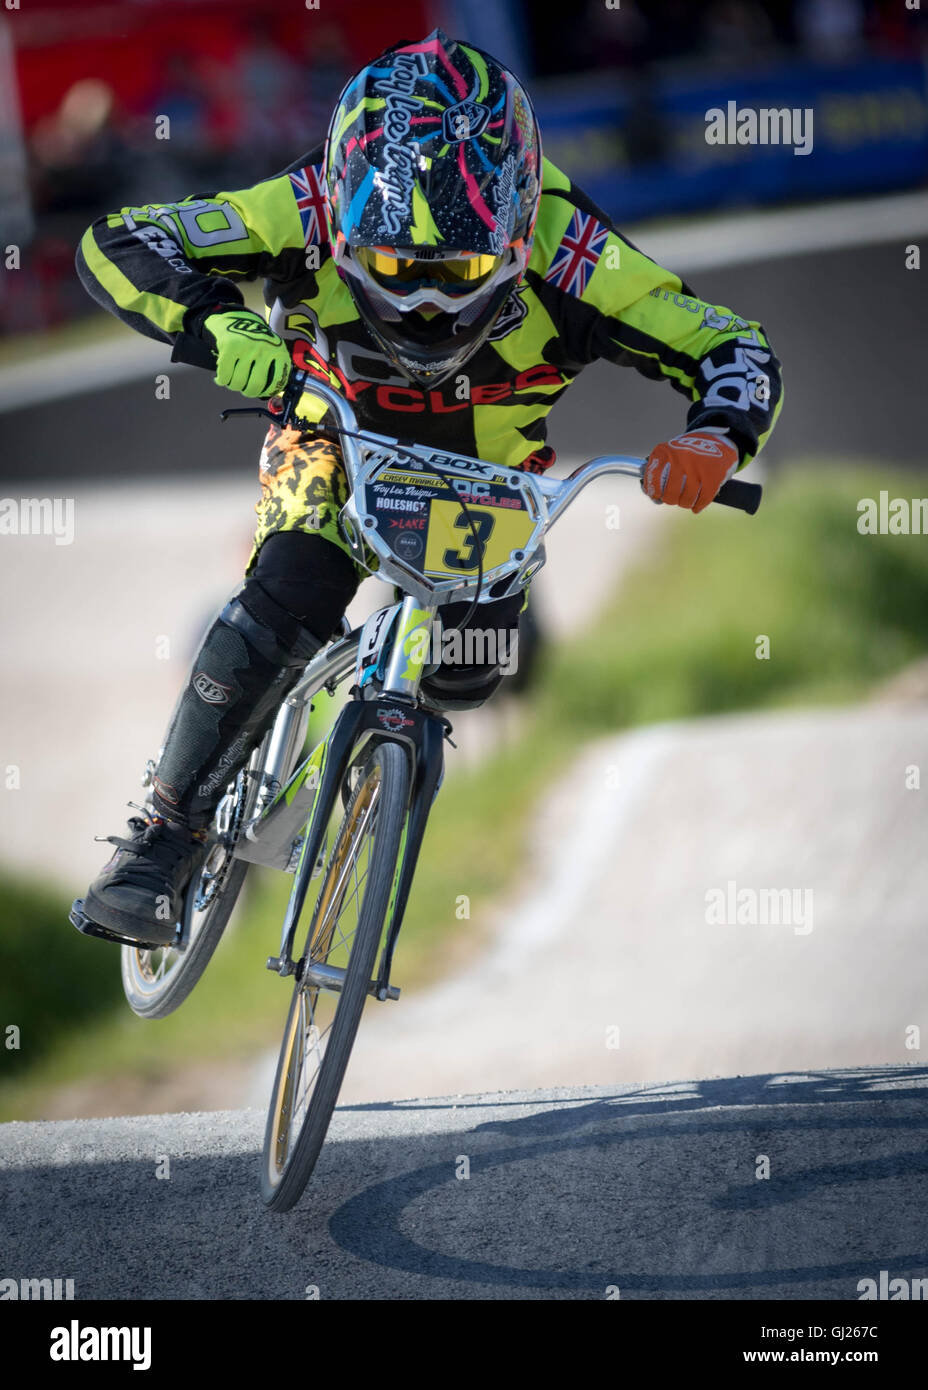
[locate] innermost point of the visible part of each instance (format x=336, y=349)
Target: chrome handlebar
x=559, y=493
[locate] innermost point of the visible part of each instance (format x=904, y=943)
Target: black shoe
x=139, y=894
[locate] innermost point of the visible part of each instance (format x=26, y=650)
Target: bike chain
x=235, y=829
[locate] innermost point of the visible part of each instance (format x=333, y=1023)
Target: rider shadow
x=765, y=1110
x=771, y=1088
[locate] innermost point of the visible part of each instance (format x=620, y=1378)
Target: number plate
x=420, y=517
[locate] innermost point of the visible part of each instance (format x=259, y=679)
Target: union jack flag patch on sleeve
x=310, y=202
x=576, y=257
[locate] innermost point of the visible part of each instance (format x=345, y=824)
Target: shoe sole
x=132, y=931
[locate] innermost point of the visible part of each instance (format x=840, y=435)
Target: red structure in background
x=246, y=85
x=131, y=44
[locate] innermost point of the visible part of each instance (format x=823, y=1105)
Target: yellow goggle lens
x=395, y=269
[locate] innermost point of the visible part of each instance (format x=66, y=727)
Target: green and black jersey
x=588, y=293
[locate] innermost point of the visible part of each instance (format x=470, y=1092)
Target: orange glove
x=689, y=470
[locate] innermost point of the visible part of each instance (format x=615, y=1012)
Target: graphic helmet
x=432, y=173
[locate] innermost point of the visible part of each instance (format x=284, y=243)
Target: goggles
x=401, y=274
x=429, y=277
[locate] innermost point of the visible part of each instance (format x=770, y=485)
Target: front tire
x=313, y=1060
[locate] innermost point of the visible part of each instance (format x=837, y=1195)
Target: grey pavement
x=654, y=1192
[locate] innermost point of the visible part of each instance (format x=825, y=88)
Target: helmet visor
x=403, y=274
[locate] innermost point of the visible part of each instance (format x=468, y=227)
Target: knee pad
x=302, y=576
x=267, y=628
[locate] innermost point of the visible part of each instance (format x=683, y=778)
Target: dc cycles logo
x=464, y=121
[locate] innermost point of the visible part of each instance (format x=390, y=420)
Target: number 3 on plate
x=465, y=558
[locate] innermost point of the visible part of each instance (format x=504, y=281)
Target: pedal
x=78, y=918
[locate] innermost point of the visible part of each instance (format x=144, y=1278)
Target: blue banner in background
x=641, y=150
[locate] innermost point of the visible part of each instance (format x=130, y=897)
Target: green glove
x=249, y=355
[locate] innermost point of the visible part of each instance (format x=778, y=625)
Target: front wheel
x=336, y=968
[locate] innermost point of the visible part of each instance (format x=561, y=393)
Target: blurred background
x=621, y=92
x=652, y=621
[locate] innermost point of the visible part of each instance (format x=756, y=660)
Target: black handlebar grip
x=194, y=352
x=741, y=494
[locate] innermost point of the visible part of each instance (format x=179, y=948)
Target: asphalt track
x=652, y=1191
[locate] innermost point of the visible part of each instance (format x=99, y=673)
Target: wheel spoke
x=332, y=937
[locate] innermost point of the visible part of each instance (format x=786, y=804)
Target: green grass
x=841, y=611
